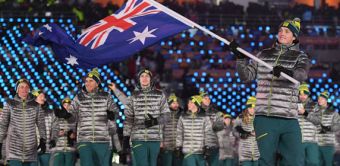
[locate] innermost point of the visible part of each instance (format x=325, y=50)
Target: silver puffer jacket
x=309, y=124
x=193, y=131
x=142, y=102
x=328, y=118
x=226, y=142
x=19, y=121
x=89, y=110
x=248, y=149
x=170, y=130
x=61, y=140
x=49, y=121
x=216, y=121
x=276, y=96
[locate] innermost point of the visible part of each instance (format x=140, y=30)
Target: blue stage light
x=202, y=52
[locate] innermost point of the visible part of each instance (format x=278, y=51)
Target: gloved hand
x=207, y=151
x=42, y=145
x=243, y=134
x=62, y=113
x=233, y=47
x=126, y=144
x=278, y=69
x=325, y=129
x=150, y=121
x=110, y=115
x=70, y=138
x=178, y=152
x=52, y=143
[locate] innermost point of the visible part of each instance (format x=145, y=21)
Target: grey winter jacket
x=139, y=104
x=61, y=141
x=170, y=130
x=216, y=121
x=193, y=129
x=89, y=110
x=328, y=118
x=309, y=124
x=276, y=96
x=226, y=143
x=248, y=149
x=49, y=121
x=19, y=121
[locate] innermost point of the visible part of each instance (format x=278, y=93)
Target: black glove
x=150, y=121
x=52, y=143
x=110, y=115
x=278, y=69
x=305, y=114
x=126, y=144
x=42, y=145
x=243, y=134
x=325, y=129
x=70, y=141
x=233, y=47
x=178, y=152
x=218, y=126
x=62, y=113
x=207, y=151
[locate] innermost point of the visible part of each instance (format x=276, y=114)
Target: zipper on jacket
x=271, y=83
x=23, y=147
x=252, y=141
x=321, y=137
x=65, y=140
x=92, y=119
x=173, y=130
x=145, y=116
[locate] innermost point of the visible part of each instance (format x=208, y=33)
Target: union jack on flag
x=135, y=26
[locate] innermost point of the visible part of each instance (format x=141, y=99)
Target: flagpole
x=193, y=24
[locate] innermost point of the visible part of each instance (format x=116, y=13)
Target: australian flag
x=135, y=26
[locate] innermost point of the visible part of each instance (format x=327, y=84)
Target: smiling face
x=23, y=90
x=251, y=111
x=206, y=100
x=285, y=36
x=90, y=85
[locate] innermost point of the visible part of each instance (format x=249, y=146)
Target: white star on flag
x=40, y=33
x=48, y=27
x=72, y=60
x=141, y=36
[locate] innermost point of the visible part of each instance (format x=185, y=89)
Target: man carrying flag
x=135, y=26
x=276, y=110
